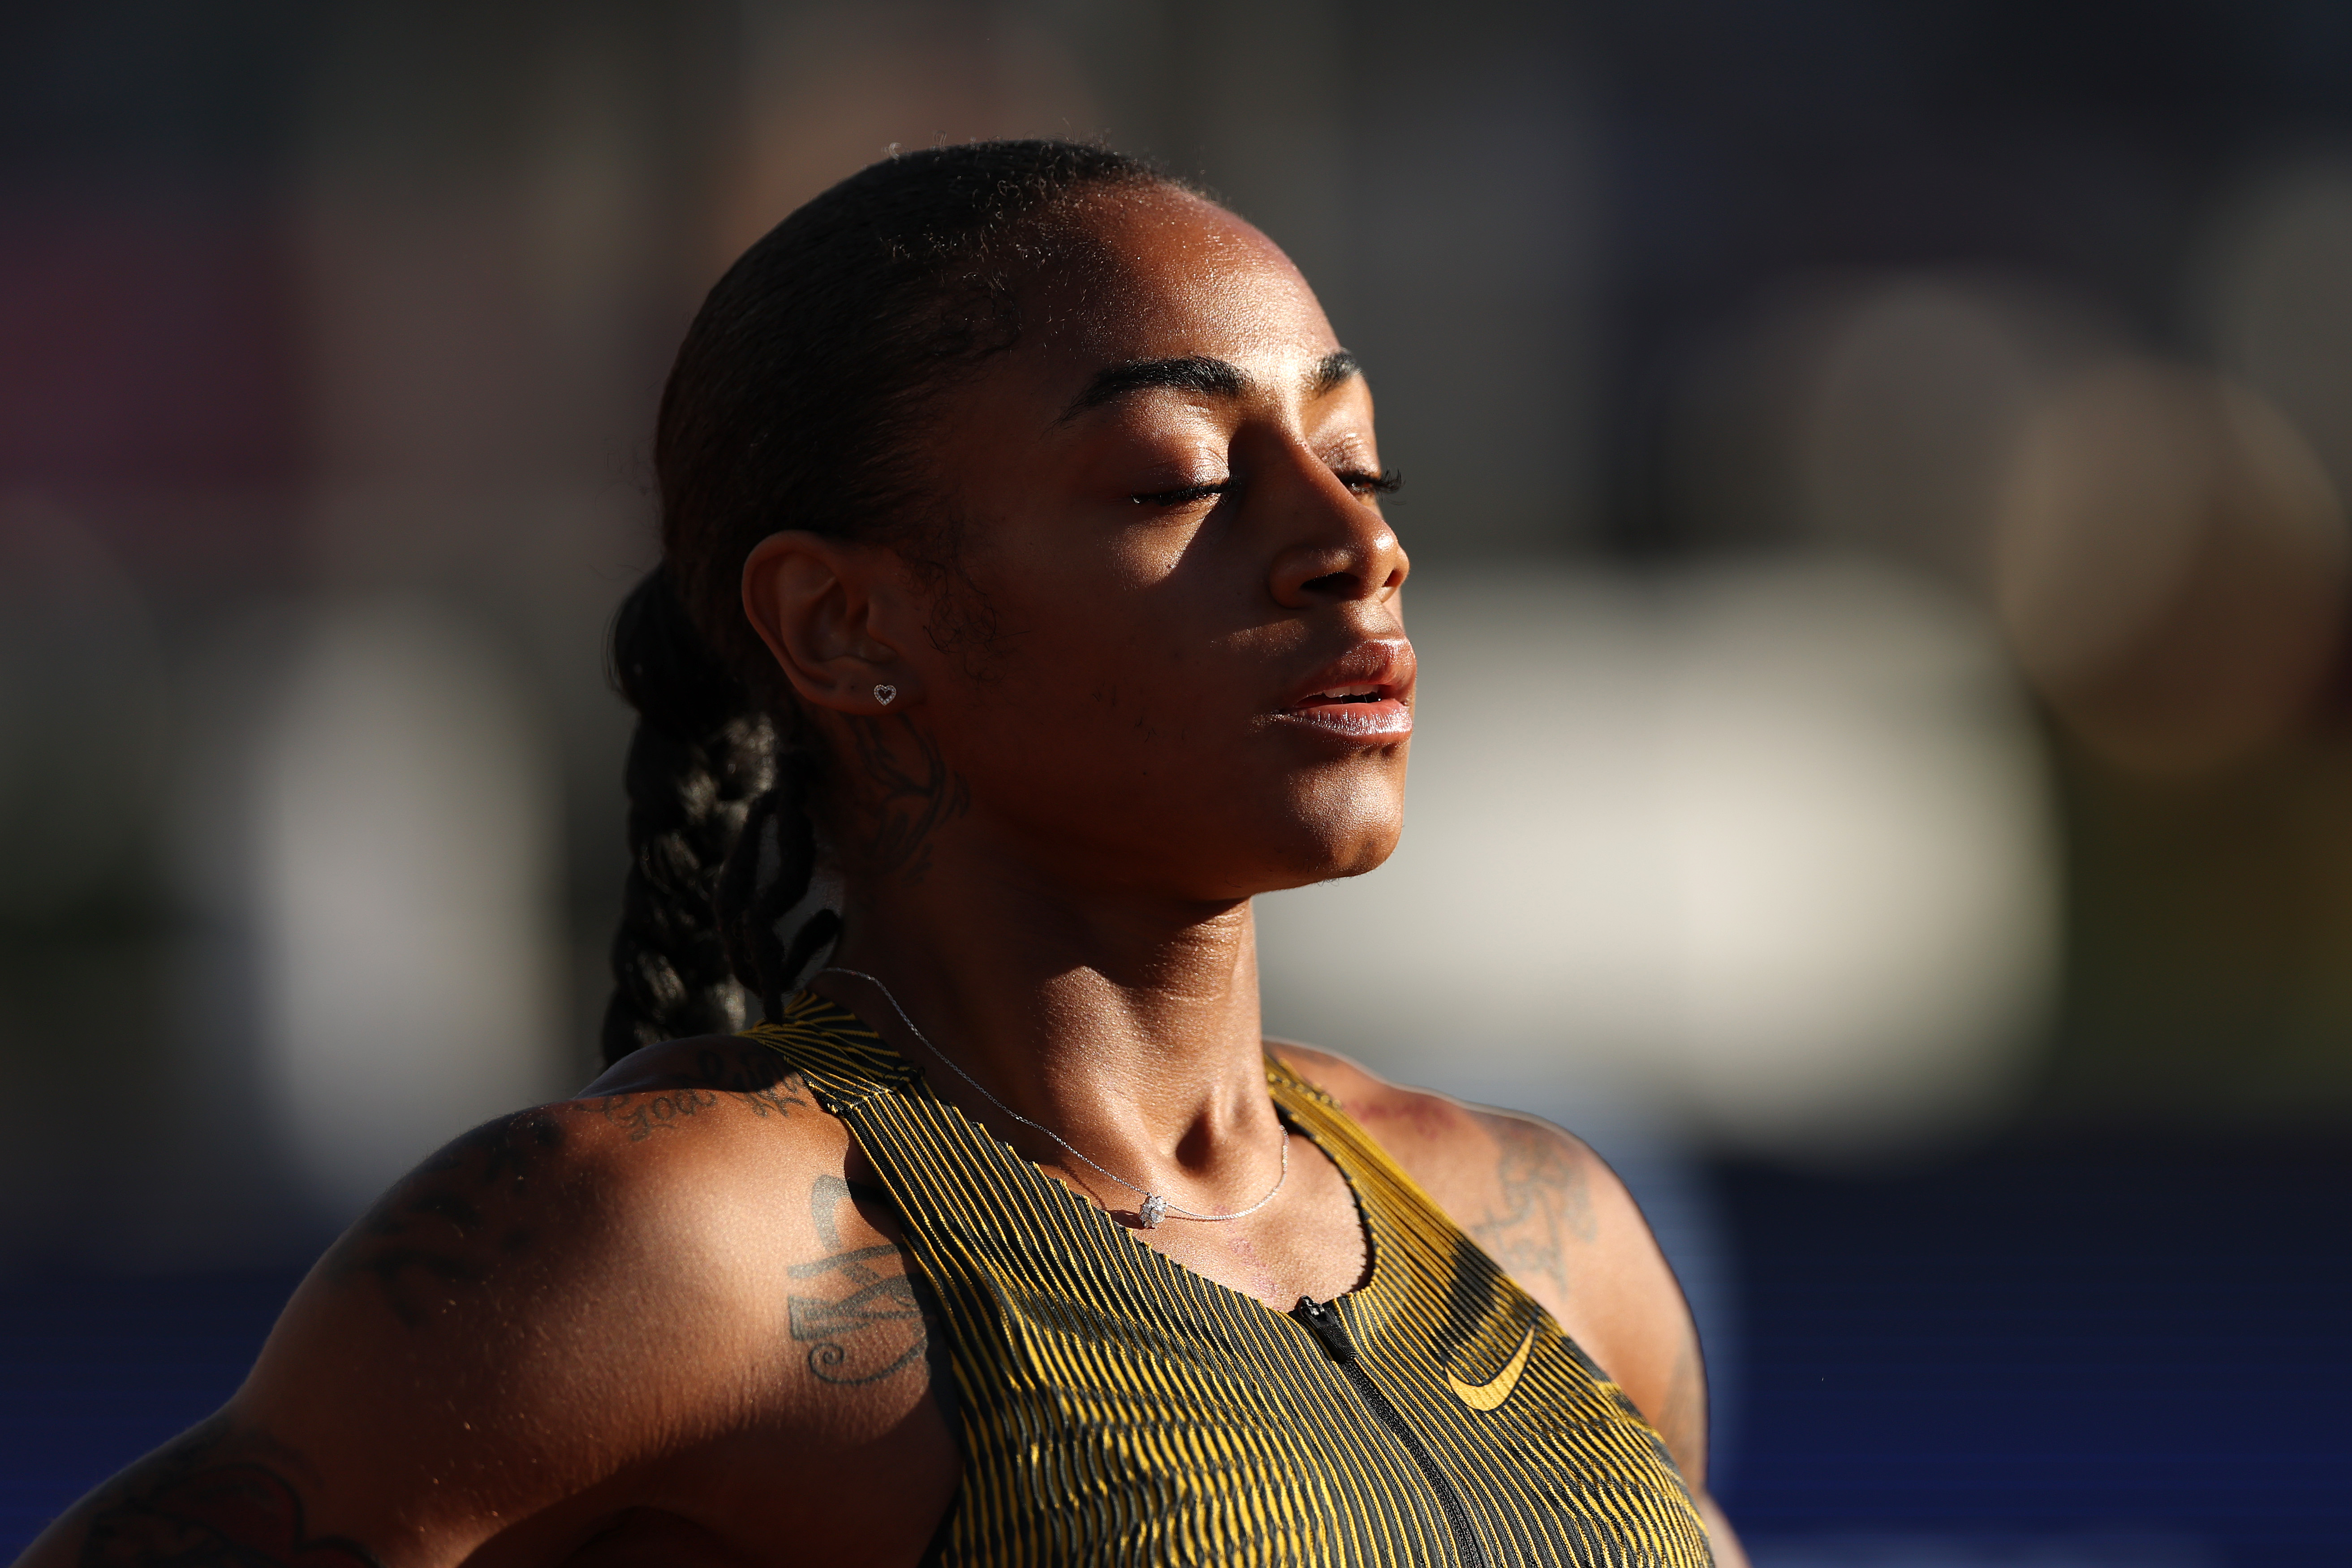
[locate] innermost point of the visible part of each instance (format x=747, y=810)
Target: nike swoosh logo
x=1490, y=1395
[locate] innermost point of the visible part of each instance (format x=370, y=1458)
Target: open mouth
x=1371, y=711
x=1365, y=695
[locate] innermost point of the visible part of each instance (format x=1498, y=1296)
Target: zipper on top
x=1322, y=1319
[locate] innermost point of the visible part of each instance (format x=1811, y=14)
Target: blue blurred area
x=96, y=1370
x=2135, y=1340
x=2109, y=1353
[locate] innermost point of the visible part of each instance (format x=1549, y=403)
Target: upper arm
x=473, y=1351
x=461, y=1359
x=546, y=1322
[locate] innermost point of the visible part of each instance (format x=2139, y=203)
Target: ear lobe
x=818, y=602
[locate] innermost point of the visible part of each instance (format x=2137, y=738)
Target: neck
x=1128, y=1024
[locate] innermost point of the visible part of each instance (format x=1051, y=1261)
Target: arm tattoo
x=431, y=1232
x=906, y=808
x=1541, y=1201
x=440, y=1229
x=215, y=1499
x=876, y=1301
x=753, y=1078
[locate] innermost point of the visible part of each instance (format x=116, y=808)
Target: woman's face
x=1180, y=668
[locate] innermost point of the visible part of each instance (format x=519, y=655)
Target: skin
x=596, y=1333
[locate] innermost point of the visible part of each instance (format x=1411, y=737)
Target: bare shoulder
x=1553, y=1215
x=627, y=1305
x=1531, y=1193
x=672, y=1143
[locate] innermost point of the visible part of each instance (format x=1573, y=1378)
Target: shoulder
x=1529, y=1192
x=1555, y=1218
x=619, y=1290
x=678, y=1135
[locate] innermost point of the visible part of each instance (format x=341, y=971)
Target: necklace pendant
x=1155, y=1209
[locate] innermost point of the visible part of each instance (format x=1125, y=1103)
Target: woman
x=1024, y=567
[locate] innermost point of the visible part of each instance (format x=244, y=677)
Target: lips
x=1365, y=694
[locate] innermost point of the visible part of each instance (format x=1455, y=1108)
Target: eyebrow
x=1331, y=372
x=1201, y=374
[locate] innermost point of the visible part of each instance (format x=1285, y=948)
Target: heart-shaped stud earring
x=882, y=694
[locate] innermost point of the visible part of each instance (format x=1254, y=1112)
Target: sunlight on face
x=1195, y=676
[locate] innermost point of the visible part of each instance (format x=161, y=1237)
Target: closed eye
x=1362, y=481
x=1189, y=495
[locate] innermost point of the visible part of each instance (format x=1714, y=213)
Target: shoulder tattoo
x=437, y=1229
x=746, y=1075
x=1542, y=1199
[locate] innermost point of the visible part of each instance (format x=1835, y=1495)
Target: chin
x=1324, y=855
x=1367, y=858
x=1356, y=827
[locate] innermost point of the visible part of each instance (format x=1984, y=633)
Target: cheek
x=1111, y=720
x=1137, y=696
x=1121, y=642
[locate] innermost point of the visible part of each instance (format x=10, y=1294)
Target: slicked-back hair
x=795, y=403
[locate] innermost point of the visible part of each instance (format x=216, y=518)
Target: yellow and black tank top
x=1114, y=1407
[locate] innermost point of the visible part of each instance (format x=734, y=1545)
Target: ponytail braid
x=721, y=845
x=771, y=871
x=701, y=754
x=795, y=403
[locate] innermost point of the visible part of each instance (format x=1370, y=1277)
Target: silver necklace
x=1154, y=1207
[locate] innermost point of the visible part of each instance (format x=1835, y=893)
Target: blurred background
x=1876, y=487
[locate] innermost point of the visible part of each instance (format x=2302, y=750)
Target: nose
x=1336, y=546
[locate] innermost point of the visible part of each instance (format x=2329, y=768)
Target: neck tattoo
x=1154, y=1207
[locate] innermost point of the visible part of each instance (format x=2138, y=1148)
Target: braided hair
x=792, y=405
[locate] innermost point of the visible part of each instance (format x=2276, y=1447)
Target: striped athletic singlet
x=1113, y=1408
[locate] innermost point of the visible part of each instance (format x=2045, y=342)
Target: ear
x=820, y=605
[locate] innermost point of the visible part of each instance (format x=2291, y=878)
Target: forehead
x=1160, y=273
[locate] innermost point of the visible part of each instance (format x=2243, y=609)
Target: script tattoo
x=435, y=1229
x=875, y=1298
x=1542, y=1199
x=216, y=1498
x=756, y=1079
x=906, y=807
